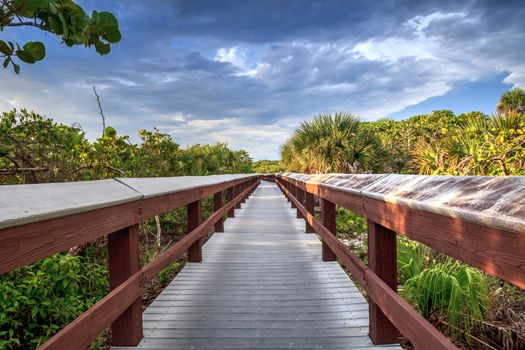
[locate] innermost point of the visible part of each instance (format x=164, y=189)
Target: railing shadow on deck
x=479, y=220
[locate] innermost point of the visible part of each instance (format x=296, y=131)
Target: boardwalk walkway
x=261, y=285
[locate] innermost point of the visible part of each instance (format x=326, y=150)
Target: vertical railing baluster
x=382, y=259
x=123, y=260
x=328, y=212
x=194, y=220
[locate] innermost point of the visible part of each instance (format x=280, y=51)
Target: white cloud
x=420, y=23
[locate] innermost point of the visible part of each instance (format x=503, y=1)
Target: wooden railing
x=37, y=221
x=478, y=220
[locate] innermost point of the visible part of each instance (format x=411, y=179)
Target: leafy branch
x=64, y=18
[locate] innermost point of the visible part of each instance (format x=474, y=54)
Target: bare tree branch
x=101, y=111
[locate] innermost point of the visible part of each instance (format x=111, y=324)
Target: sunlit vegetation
x=477, y=311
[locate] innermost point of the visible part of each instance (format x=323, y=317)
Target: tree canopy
x=63, y=18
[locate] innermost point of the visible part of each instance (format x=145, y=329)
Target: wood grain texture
x=123, y=260
x=382, y=260
x=23, y=245
x=498, y=253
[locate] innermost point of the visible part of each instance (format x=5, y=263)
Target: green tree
x=333, y=143
x=35, y=149
x=268, y=167
x=64, y=18
x=512, y=102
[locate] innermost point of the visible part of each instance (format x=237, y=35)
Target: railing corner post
x=123, y=261
x=382, y=260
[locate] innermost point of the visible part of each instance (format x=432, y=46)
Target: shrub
x=38, y=300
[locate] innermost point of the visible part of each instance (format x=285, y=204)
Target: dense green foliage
x=512, y=102
x=35, y=149
x=268, y=167
x=332, y=144
x=38, y=300
x=433, y=144
x=63, y=18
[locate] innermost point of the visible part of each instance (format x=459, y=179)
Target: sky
x=248, y=72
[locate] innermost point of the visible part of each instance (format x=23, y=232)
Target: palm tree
x=332, y=143
x=512, y=102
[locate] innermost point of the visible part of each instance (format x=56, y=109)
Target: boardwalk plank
x=261, y=285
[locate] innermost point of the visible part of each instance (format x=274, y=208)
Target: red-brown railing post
x=217, y=205
x=382, y=259
x=194, y=220
x=123, y=259
x=242, y=188
x=329, y=223
x=300, y=198
x=236, y=192
x=229, y=197
x=310, y=206
x=288, y=186
x=293, y=191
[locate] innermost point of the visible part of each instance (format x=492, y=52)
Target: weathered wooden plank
x=261, y=284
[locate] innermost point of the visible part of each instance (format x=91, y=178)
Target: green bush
x=38, y=300
x=350, y=223
x=450, y=290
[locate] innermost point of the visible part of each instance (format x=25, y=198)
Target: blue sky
x=248, y=72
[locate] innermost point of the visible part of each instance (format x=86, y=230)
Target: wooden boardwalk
x=261, y=285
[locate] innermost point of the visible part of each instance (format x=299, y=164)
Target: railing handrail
x=39, y=220
x=492, y=201
x=24, y=204
x=465, y=235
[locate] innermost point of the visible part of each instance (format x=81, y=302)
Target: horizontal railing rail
x=41, y=220
x=478, y=220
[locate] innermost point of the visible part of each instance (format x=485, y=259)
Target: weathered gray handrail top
x=494, y=201
x=23, y=204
